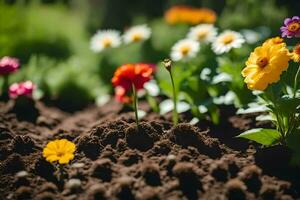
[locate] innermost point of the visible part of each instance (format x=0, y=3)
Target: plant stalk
x=135, y=104
x=175, y=113
x=61, y=175
x=296, y=82
x=280, y=125
x=4, y=91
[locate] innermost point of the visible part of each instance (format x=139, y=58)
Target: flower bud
x=8, y=65
x=168, y=63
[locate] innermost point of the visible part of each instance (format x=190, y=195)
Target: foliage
x=52, y=42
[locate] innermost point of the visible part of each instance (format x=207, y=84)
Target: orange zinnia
x=136, y=74
x=190, y=15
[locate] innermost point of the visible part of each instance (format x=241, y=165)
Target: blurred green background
x=51, y=38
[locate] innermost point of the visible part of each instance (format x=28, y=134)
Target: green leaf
x=153, y=103
x=288, y=105
x=262, y=136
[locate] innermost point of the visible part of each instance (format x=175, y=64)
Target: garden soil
x=116, y=160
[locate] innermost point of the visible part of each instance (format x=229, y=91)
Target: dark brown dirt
x=117, y=160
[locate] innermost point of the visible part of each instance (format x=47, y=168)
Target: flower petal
x=66, y=158
x=52, y=158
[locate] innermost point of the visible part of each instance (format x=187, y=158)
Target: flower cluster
x=190, y=15
x=267, y=62
x=59, y=150
x=205, y=33
x=263, y=68
x=105, y=39
x=21, y=89
x=8, y=65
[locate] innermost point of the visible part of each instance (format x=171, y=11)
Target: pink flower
x=8, y=65
x=21, y=89
x=291, y=27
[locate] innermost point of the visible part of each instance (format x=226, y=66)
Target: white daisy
x=203, y=33
x=226, y=41
x=184, y=49
x=105, y=39
x=137, y=33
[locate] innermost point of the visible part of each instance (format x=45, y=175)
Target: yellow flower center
x=106, y=43
x=185, y=50
x=136, y=37
x=262, y=62
x=202, y=35
x=227, y=39
x=60, y=153
x=293, y=27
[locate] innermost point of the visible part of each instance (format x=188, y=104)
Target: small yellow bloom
x=295, y=55
x=265, y=64
x=59, y=150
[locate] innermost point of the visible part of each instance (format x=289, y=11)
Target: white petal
x=152, y=88
x=222, y=77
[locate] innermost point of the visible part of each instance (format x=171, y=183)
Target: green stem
x=296, y=82
x=291, y=125
x=278, y=118
x=135, y=106
x=5, y=88
x=61, y=175
x=175, y=113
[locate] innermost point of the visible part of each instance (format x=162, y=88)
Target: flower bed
x=160, y=161
x=191, y=105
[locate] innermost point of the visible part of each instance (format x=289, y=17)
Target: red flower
x=128, y=74
x=120, y=95
x=21, y=89
x=153, y=66
x=8, y=65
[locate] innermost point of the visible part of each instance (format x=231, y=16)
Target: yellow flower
x=274, y=41
x=59, y=150
x=295, y=55
x=265, y=64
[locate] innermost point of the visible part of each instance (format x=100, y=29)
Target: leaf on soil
x=262, y=136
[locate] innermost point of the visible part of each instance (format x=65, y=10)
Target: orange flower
x=128, y=74
x=295, y=55
x=190, y=15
